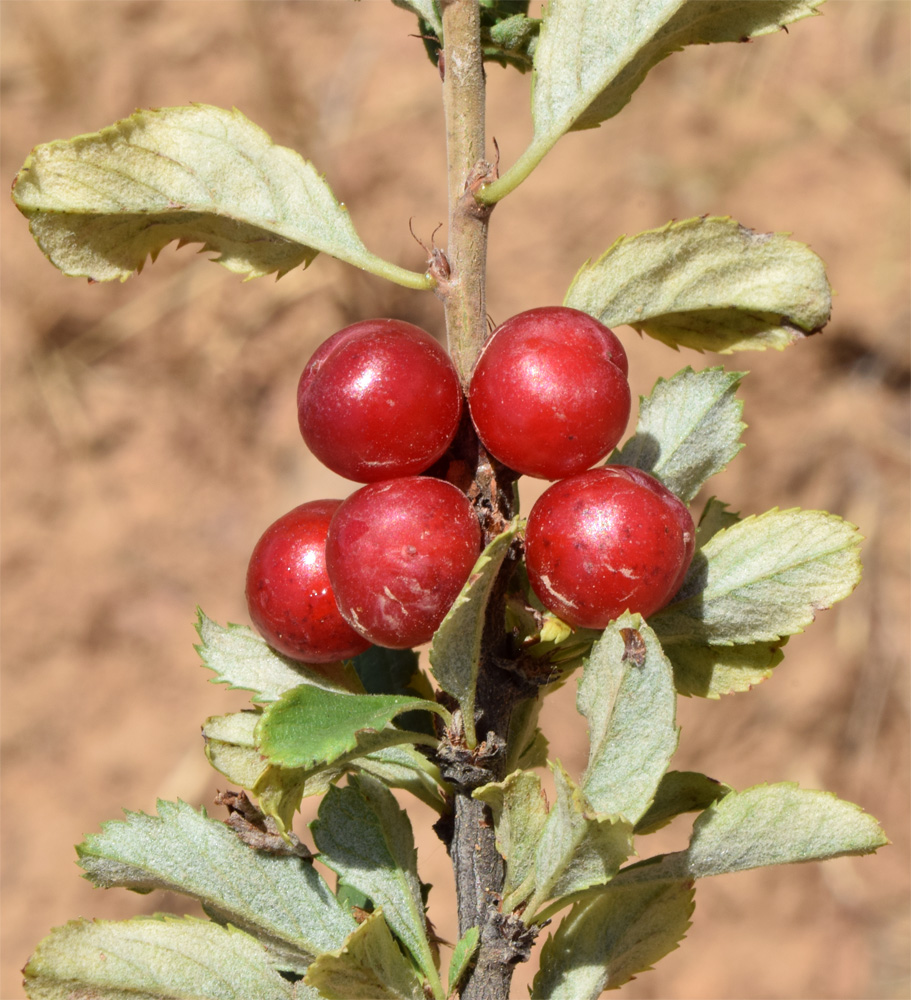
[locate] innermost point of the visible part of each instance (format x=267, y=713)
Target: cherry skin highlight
x=289, y=597
x=549, y=395
x=398, y=553
x=378, y=400
x=607, y=541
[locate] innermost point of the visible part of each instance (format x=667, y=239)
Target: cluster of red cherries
x=380, y=403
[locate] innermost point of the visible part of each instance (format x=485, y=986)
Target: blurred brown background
x=149, y=430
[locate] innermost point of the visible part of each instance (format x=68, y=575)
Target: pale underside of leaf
x=680, y=792
x=763, y=578
x=761, y=826
x=370, y=966
x=243, y=660
x=593, y=54
x=603, y=942
x=151, y=958
x=709, y=284
x=365, y=837
x=712, y=671
x=688, y=430
x=455, y=653
x=100, y=204
x=627, y=695
x=279, y=899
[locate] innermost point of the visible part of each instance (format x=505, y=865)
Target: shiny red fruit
x=607, y=541
x=378, y=400
x=289, y=596
x=398, y=554
x=549, y=395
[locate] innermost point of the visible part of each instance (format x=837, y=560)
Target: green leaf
x=231, y=748
x=519, y=813
x=98, y=205
x=151, y=958
x=366, y=839
x=243, y=660
x=765, y=825
x=604, y=942
x=462, y=955
x=709, y=284
x=508, y=36
x=427, y=11
x=680, y=792
x=455, y=655
x=689, y=429
x=556, y=853
x=712, y=671
x=396, y=671
x=593, y=54
x=310, y=726
x=370, y=966
x=627, y=694
x=404, y=767
x=578, y=848
x=763, y=578
x=279, y=899
x=715, y=517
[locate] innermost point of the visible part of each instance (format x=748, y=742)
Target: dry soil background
x=149, y=430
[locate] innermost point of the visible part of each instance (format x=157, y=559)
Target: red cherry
x=549, y=395
x=606, y=541
x=398, y=554
x=289, y=596
x=378, y=400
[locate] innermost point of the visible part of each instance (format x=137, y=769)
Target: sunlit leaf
x=763, y=578
x=709, y=284
x=99, y=205
x=370, y=966
x=242, y=659
x=365, y=837
x=689, y=429
x=765, y=825
x=279, y=899
x=152, y=958
x=603, y=942
x=627, y=694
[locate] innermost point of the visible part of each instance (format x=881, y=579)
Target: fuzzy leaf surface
x=519, y=814
x=151, y=958
x=243, y=660
x=680, y=792
x=370, y=966
x=605, y=941
x=763, y=578
x=455, y=655
x=462, y=955
x=231, y=749
x=552, y=853
x=689, y=429
x=310, y=726
x=98, y=205
x=709, y=284
x=714, y=518
x=777, y=824
x=712, y=671
x=593, y=54
x=279, y=899
x=365, y=837
x=627, y=694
